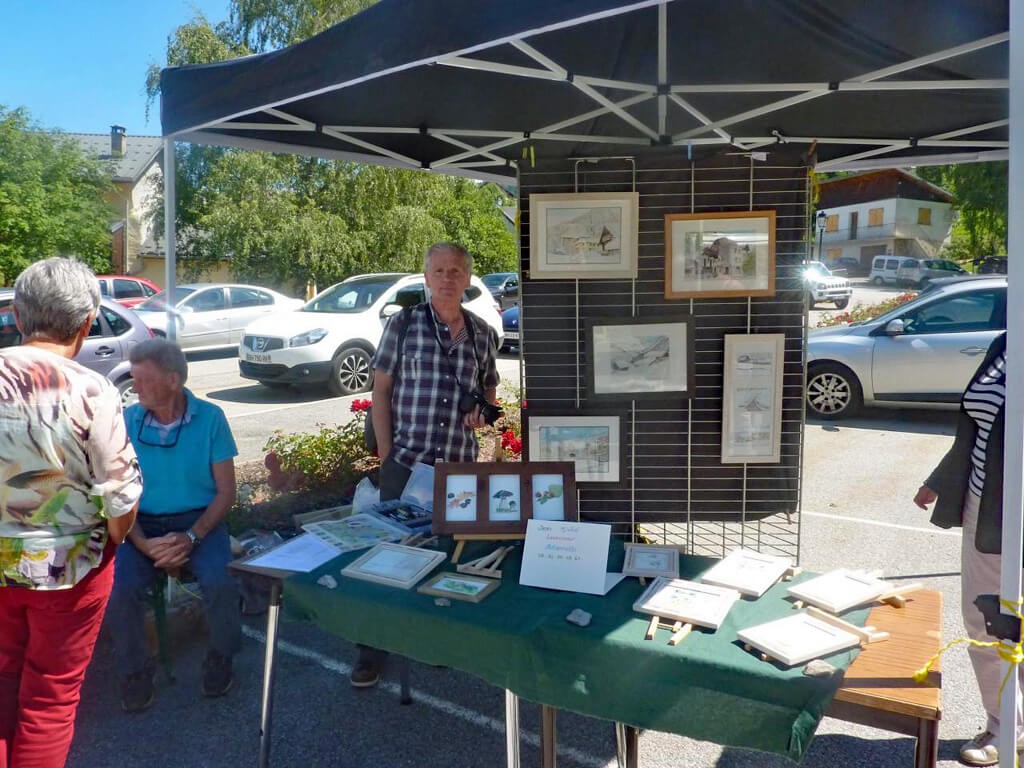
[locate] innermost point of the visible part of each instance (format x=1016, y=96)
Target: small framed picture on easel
x=498, y=498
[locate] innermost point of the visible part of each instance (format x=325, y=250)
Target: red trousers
x=46, y=642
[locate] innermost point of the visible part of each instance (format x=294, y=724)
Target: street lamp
x=822, y=218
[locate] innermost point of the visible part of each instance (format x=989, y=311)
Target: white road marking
x=878, y=523
x=446, y=707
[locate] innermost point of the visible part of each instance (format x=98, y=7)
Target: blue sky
x=80, y=65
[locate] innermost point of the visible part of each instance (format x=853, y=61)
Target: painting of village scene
x=752, y=401
x=591, y=442
x=637, y=358
x=719, y=255
x=588, y=235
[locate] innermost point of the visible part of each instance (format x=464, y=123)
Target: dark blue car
x=510, y=323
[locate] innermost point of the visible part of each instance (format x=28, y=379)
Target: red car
x=125, y=289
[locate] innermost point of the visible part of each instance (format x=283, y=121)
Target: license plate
x=255, y=358
x=511, y=335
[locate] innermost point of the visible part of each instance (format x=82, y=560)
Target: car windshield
x=350, y=297
x=156, y=302
x=494, y=280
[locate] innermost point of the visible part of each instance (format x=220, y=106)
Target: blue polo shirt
x=178, y=476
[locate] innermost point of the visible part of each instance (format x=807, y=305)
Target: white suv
x=822, y=285
x=332, y=338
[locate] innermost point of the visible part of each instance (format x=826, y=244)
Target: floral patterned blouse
x=66, y=464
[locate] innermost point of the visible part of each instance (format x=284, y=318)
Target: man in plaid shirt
x=448, y=352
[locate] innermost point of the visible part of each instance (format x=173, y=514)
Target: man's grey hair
x=164, y=354
x=55, y=297
x=444, y=246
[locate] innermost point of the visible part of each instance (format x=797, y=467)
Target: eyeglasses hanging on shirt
x=157, y=435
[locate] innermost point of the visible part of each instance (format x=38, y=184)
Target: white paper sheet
x=301, y=554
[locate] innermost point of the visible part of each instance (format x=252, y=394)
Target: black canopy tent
x=463, y=86
x=474, y=87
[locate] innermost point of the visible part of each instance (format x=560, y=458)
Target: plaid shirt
x=426, y=423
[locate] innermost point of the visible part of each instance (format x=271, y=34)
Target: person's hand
x=474, y=419
x=171, y=550
x=925, y=496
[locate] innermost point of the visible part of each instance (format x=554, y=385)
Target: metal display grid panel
x=679, y=491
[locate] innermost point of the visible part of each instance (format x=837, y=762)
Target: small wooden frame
x=488, y=565
x=394, y=565
x=515, y=493
x=651, y=560
x=459, y=586
x=750, y=572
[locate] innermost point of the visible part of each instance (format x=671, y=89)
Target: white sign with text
x=569, y=556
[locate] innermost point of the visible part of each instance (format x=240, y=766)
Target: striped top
x=983, y=400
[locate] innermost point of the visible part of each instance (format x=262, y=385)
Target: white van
x=887, y=269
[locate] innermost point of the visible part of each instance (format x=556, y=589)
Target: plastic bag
x=367, y=494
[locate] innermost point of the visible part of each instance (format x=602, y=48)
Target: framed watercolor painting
x=475, y=498
x=651, y=560
x=635, y=358
x=592, y=440
x=459, y=586
x=798, y=638
x=701, y=604
x=752, y=398
x=585, y=235
x=718, y=255
x=394, y=565
x=749, y=572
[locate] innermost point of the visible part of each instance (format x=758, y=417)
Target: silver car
x=114, y=332
x=920, y=355
x=211, y=315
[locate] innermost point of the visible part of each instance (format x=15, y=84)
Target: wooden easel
x=867, y=635
x=679, y=629
x=418, y=540
x=488, y=565
x=461, y=539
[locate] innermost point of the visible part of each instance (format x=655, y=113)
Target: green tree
x=51, y=198
x=981, y=196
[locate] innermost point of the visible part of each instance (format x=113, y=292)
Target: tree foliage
x=280, y=219
x=982, y=202
x=51, y=198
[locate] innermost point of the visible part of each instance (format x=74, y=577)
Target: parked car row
x=331, y=339
x=902, y=270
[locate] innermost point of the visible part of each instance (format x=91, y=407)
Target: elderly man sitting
x=186, y=453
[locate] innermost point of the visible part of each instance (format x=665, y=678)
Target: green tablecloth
x=517, y=638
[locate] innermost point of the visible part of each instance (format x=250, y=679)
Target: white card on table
x=569, y=556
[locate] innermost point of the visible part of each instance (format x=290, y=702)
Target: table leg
x=511, y=730
x=267, y=702
x=627, y=746
x=927, y=751
x=547, y=736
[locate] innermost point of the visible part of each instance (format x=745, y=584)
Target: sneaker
x=982, y=750
x=366, y=670
x=137, y=690
x=217, y=677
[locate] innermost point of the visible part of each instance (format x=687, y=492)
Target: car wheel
x=351, y=372
x=842, y=303
x=877, y=281
x=833, y=392
x=126, y=388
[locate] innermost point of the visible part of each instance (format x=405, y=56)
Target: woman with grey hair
x=69, y=488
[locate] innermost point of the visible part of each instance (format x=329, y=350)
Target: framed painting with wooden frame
x=752, y=398
x=494, y=500
x=651, y=560
x=719, y=255
x=639, y=358
x=459, y=586
x=590, y=438
x=585, y=235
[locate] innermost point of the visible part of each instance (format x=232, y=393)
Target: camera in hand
x=489, y=411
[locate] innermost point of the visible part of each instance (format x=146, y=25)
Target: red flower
x=360, y=406
x=511, y=443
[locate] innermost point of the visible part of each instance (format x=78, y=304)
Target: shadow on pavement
x=211, y=354
x=917, y=420
x=257, y=394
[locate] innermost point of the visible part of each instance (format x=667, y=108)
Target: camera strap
x=446, y=352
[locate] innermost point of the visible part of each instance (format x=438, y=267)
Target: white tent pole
x=1013, y=472
x=170, y=254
